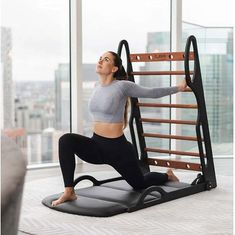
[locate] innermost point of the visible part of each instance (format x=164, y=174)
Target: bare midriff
x=109, y=130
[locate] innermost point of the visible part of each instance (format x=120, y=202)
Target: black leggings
x=117, y=152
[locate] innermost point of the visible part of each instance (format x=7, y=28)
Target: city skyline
x=42, y=109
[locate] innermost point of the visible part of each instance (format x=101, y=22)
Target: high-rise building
x=62, y=97
x=7, y=84
x=49, y=146
x=1, y=96
x=89, y=77
x=216, y=59
x=34, y=151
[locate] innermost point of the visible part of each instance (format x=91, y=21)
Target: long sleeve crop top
x=107, y=103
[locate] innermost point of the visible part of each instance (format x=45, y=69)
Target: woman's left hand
x=182, y=85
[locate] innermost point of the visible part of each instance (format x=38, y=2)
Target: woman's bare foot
x=68, y=195
x=171, y=175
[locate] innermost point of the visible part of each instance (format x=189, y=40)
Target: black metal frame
x=196, y=86
x=202, y=122
x=204, y=181
x=135, y=113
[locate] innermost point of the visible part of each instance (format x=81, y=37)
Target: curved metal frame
x=196, y=85
x=135, y=113
x=94, y=180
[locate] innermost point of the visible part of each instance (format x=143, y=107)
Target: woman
x=108, y=145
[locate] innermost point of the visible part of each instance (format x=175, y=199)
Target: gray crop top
x=107, y=102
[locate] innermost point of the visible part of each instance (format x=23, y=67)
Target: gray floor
x=204, y=213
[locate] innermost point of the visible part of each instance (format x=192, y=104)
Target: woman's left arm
x=132, y=89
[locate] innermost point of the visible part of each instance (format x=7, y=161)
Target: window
x=214, y=33
x=35, y=75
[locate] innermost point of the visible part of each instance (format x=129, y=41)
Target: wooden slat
x=185, y=106
x=175, y=164
x=186, y=122
x=159, y=72
x=172, y=152
x=163, y=56
x=176, y=137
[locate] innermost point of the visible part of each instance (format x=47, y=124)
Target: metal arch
x=135, y=113
x=196, y=85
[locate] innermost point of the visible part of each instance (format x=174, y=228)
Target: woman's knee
x=69, y=140
x=65, y=138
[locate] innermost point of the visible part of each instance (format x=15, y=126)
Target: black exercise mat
x=108, y=199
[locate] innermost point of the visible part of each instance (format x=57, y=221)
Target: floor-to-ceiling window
x=212, y=25
x=35, y=76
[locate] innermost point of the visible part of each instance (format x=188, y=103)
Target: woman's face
x=105, y=65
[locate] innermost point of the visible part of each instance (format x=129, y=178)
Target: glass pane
x=146, y=27
x=215, y=45
x=35, y=75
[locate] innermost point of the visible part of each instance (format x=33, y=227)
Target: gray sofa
x=13, y=169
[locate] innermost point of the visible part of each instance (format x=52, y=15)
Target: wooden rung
x=185, y=106
x=159, y=72
x=171, y=152
x=177, y=137
x=175, y=164
x=163, y=56
x=187, y=122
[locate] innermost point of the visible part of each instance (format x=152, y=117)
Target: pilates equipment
x=114, y=196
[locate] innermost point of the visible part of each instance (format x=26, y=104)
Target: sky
x=40, y=28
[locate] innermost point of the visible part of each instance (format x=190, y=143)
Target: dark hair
x=120, y=74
